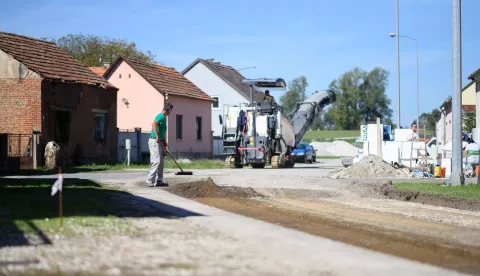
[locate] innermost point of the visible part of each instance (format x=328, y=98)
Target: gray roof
x=231, y=76
x=472, y=75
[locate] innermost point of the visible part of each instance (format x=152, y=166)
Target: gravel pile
x=372, y=166
x=335, y=148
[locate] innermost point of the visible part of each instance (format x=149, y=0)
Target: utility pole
x=398, y=70
x=457, y=177
x=418, y=109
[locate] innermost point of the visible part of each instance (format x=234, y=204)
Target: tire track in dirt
x=393, y=234
x=415, y=247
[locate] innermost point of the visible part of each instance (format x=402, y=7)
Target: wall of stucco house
x=447, y=127
x=448, y=124
x=469, y=96
x=188, y=144
x=214, y=86
x=469, y=99
x=11, y=68
x=144, y=101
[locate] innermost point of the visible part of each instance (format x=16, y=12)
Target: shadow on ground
x=27, y=202
x=28, y=172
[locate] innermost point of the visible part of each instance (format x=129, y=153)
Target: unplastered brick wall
x=82, y=101
x=20, y=105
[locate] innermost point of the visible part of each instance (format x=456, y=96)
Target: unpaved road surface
x=348, y=211
x=378, y=233
x=300, y=198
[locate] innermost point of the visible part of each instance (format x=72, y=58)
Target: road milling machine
x=257, y=133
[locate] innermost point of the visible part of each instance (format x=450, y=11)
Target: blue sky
x=318, y=39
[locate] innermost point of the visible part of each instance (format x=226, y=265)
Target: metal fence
x=217, y=146
x=16, y=151
x=19, y=145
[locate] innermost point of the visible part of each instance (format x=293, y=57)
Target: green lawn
x=328, y=157
x=169, y=164
x=467, y=191
x=26, y=206
x=331, y=134
x=346, y=135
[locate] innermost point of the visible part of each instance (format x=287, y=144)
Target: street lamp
x=416, y=42
x=398, y=66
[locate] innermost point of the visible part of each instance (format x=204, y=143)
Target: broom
x=182, y=172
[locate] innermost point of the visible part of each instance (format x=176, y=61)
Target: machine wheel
x=314, y=159
x=276, y=162
x=234, y=162
x=258, y=166
x=289, y=159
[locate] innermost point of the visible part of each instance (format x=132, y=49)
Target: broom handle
x=171, y=157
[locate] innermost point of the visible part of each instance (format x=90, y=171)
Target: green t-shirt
x=161, y=127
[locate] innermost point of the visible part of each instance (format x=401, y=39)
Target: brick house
x=43, y=88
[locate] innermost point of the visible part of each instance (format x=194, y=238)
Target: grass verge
x=26, y=206
x=467, y=191
x=331, y=134
x=328, y=157
x=169, y=164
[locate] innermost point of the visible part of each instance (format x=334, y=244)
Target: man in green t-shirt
x=157, y=136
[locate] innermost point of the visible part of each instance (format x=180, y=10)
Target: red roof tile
x=48, y=60
x=165, y=79
x=98, y=70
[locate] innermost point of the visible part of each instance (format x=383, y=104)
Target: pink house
x=443, y=128
x=143, y=90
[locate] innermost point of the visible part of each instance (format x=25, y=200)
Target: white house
x=223, y=84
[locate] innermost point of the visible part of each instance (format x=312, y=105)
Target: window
x=179, y=124
x=301, y=146
x=119, y=76
x=199, y=128
x=100, y=127
x=215, y=103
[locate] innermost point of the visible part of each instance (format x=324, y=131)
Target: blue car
x=303, y=153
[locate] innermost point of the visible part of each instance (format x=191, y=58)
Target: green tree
x=469, y=121
x=389, y=122
x=318, y=123
x=295, y=93
x=361, y=98
x=328, y=119
x=92, y=50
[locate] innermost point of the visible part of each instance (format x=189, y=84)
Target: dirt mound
x=371, y=166
x=335, y=148
x=208, y=189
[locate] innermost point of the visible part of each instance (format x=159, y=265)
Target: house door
x=61, y=133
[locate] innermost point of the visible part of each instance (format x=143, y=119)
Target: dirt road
x=441, y=244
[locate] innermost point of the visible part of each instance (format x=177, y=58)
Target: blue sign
x=387, y=133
